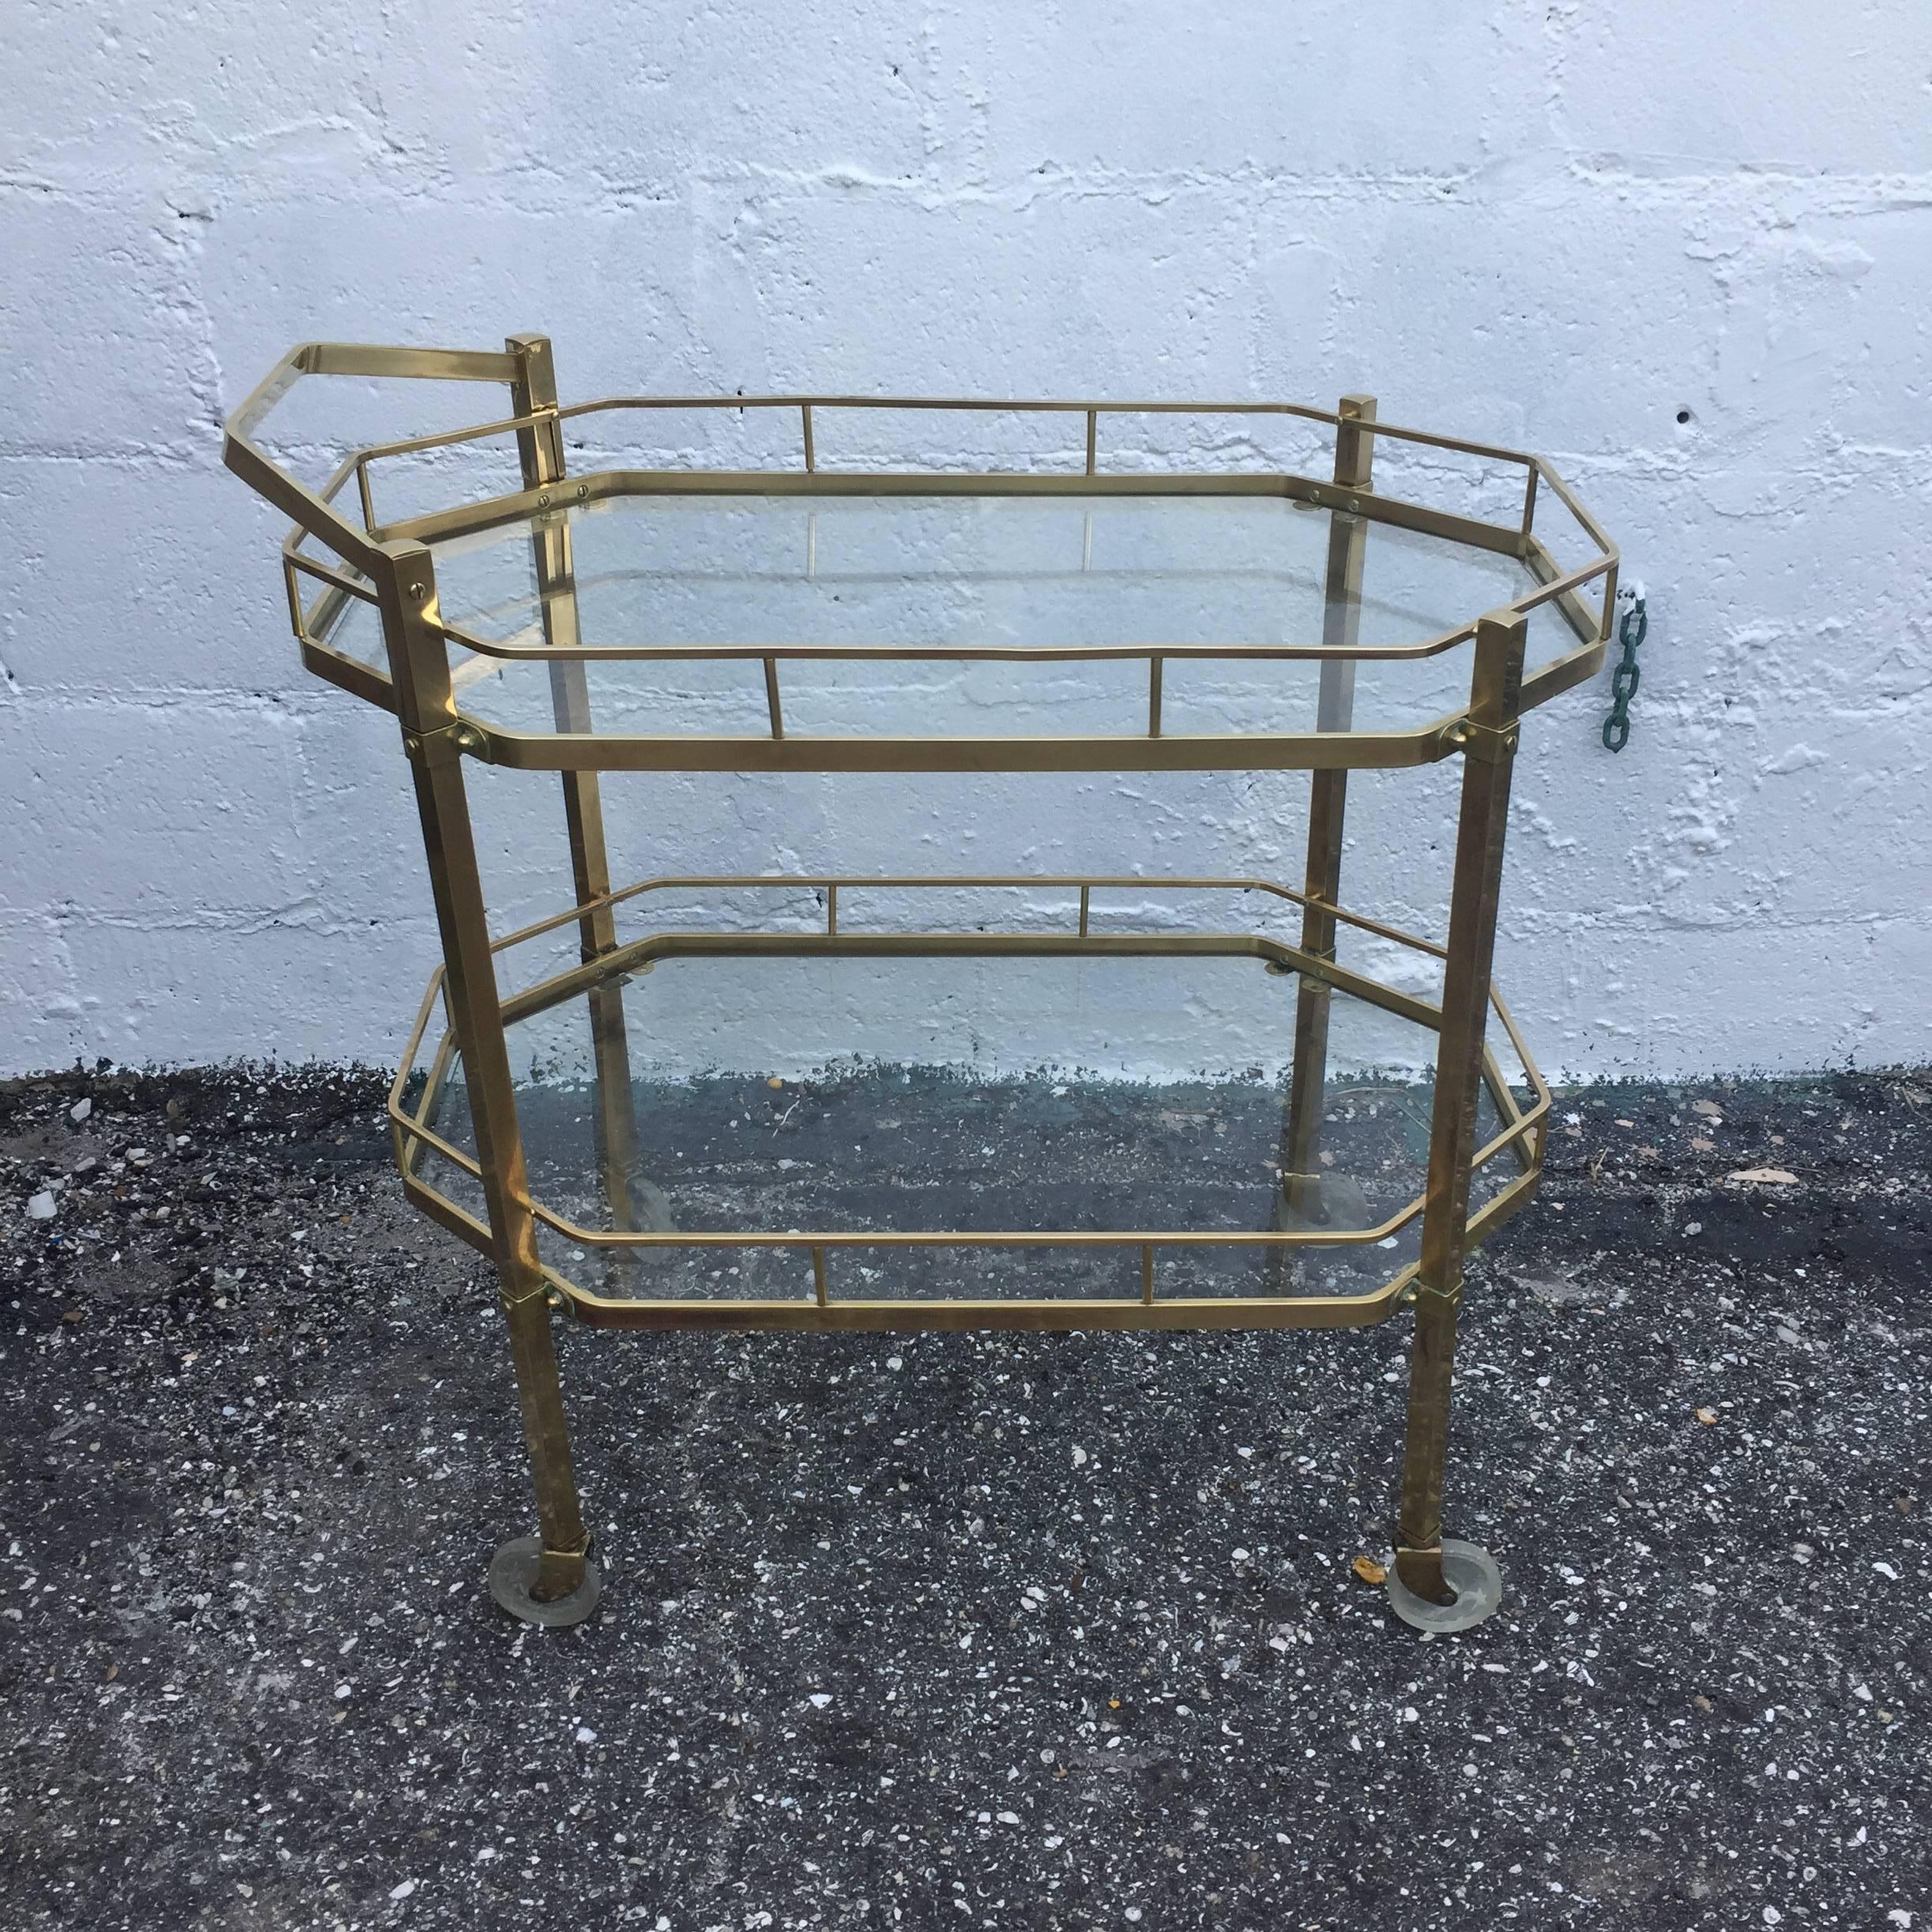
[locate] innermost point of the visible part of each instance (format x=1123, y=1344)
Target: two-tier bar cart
x=1170, y=595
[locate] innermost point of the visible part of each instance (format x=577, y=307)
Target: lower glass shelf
x=1013, y=1148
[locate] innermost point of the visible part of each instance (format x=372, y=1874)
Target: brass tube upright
x=540, y=453
x=419, y=662
x=1489, y=751
x=1327, y=806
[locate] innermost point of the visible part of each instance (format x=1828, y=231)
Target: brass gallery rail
x=426, y=666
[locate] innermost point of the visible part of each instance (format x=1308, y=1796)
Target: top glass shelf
x=881, y=576
x=952, y=619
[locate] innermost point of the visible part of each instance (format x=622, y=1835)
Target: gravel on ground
x=932, y=1630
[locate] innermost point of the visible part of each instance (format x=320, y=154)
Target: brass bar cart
x=532, y=624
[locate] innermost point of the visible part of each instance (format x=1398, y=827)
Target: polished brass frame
x=391, y=567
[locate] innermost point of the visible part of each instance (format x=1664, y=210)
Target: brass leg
x=554, y=1582
x=631, y=1200
x=562, y=1569
x=1419, y=1581
x=615, y=1120
x=1418, y=1555
x=1301, y=1175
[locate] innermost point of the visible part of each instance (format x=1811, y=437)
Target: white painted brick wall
x=1558, y=225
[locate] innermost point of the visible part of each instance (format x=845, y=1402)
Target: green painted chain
x=1624, y=680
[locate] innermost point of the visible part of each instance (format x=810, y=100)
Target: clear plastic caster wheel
x=1471, y=1572
x=513, y=1570
x=1328, y=1200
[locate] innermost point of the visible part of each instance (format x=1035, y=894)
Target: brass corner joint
x=1446, y=1296
x=1489, y=744
x=524, y=1288
x=421, y=747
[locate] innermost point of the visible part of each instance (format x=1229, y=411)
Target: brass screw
x=543, y=500
x=583, y=490
x=416, y=590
